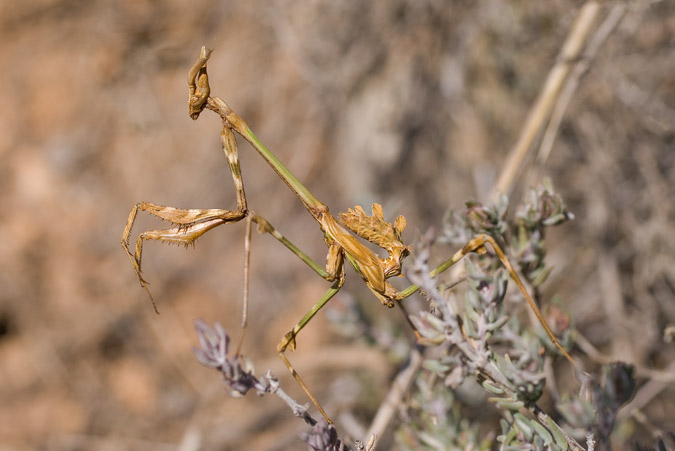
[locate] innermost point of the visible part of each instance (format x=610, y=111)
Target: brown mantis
x=190, y=224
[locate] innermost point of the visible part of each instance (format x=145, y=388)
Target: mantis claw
x=288, y=342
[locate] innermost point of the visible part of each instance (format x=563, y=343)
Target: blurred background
x=413, y=104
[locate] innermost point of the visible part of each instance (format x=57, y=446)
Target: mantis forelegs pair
x=190, y=224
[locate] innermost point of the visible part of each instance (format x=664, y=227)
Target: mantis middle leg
x=334, y=272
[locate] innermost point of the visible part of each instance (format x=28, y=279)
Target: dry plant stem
x=397, y=391
x=654, y=430
x=662, y=376
x=645, y=394
x=546, y=420
x=608, y=25
x=544, y=103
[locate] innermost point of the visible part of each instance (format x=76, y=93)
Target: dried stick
x=544, y=104
x=608, y=25
x=396, y=393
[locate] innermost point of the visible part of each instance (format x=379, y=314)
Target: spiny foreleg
x=190, y=225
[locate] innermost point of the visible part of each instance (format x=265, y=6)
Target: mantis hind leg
x=288, y=341
x=333, y=272
x=477, y=244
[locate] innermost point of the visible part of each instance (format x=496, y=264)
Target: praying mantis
x=340, y=236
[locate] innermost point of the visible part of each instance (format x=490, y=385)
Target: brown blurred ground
x=412, y=104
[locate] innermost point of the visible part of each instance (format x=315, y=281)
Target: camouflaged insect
x=379, y=232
